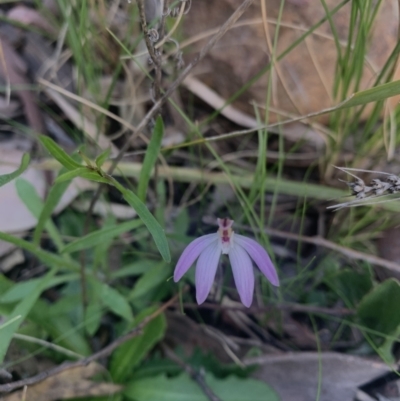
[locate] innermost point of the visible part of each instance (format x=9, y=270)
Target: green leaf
x=48, y=258
x=59, y=154
x=150, y=158
x=130, y=354
x=96, y=176
x=6, y=178
x=151, y=279
x=379, y=311
x=21, y=310
x=53, y=198
x=70, y=175
x=183, y=388
x=93, y=315
x=99, y=236
x=18, y=290
x=27, y=192
x=56, y=320
x=380, y=92
x=11, y=321
x=83, y=172
x=102, y=157
x=134, y=269
x=148, y=219
x=112, y=299
x=351, y=286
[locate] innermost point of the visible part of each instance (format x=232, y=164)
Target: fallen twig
x=291, y=307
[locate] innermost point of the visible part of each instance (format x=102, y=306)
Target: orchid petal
x=242, y=268
x=205, y=271
x=191, y=253
x=260, y=257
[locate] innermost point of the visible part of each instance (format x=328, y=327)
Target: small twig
x=198, y=377
x=173, y=29
x=6, y=388
x=281, y=306
x=47, y=344
x=155, y=54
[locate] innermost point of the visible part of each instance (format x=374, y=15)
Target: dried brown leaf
x=71, y=383
x=297, y=376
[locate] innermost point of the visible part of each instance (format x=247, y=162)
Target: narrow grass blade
x=11, y=321
x=113, y=299
x=131, y=353
x=149, y=280
x=18, y=290
x=102, y=157
x=102, y=235
x=21, y=311
x=59, y=154
x=6, y=178
x=27, y=193
x=380, y=92
x=150, y=158
x=148, y=219
x=48, y=258
x=53, y=198
x=83, y=172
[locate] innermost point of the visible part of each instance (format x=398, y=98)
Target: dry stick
x=156, y=107
x=350, y=253
x=6, y=388
x=290, y=307
x=198, y=377
x=155, y=55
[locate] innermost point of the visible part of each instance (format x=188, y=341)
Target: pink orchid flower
x=241, y=251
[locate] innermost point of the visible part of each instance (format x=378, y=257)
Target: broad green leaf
x=6, y=178
x=183, y=388
x=111, y=298
x=129, y=354
x=70, y=175
x=27, y=193
x=18, y=291
x=95, y=176
x=53, y=198
x=102, y=157
x=57, y=323
x=83, y=172
x=379, y=311
x=150, y=158
x=99, y=236
x=151, y=279
x=48, y=258
x=59, y=154
x=93, y=314
x=148, y=219
x=101, y=251
x=21, y=310
x=350, y=285
x=134, y=269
